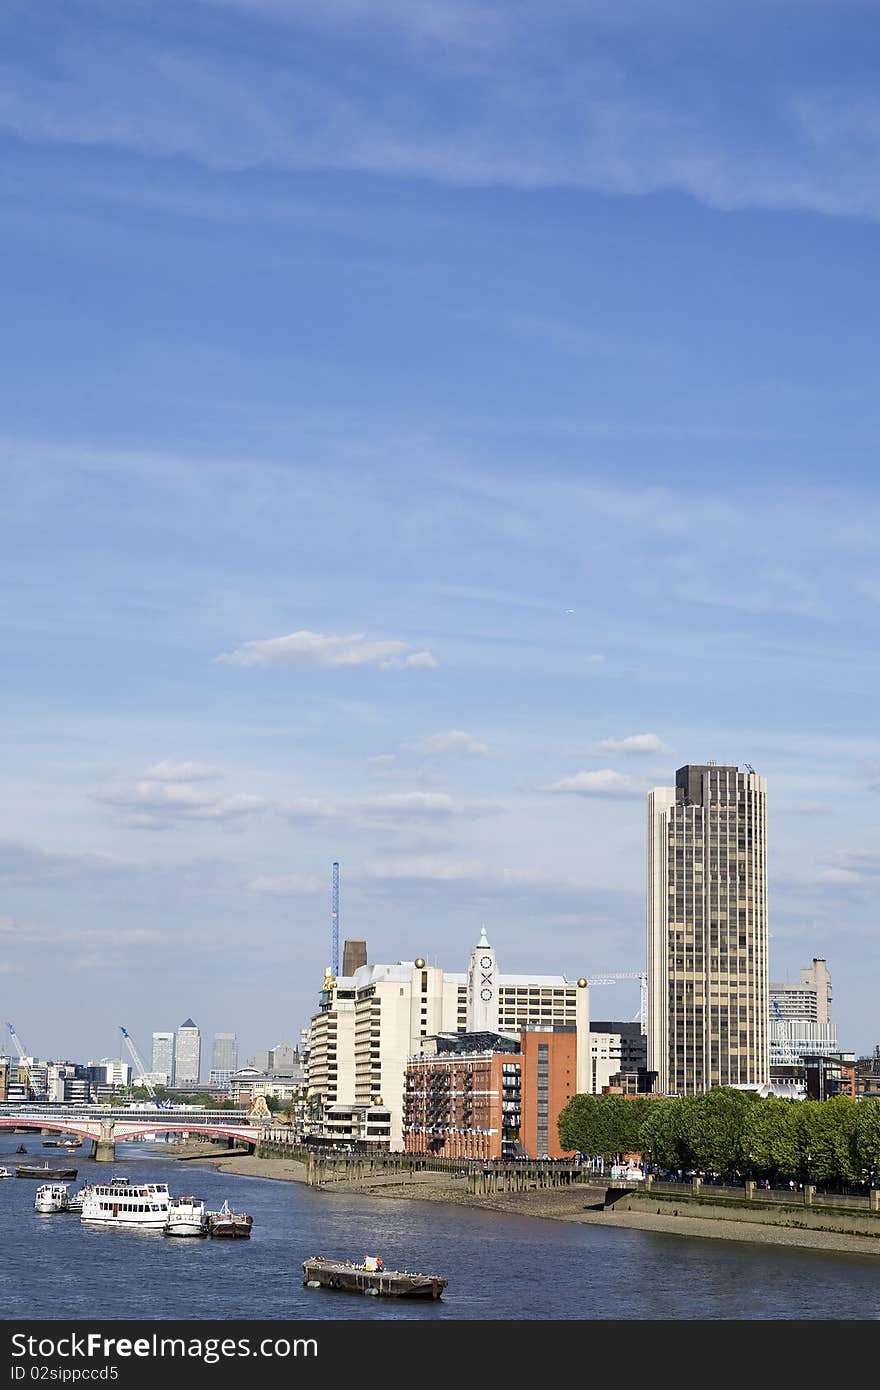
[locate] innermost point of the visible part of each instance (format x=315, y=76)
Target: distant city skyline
x=411, y=450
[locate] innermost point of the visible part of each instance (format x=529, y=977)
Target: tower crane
x=334, y=917
x=136, y=1058
x=613, y=976
x=23, y=1058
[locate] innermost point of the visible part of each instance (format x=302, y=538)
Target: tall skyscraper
x=224, y=1054
x=707, y=930
x=187, y=1054
x=163, y=1055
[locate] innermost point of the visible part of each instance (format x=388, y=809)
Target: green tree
x=820, y=1137
x=606, y=1126
x=866, y=1140
x=663, y=1137
x=769, y=1141
x=716, y=1125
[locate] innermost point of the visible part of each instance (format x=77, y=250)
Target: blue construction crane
x=136, y=1058
x=334, y=920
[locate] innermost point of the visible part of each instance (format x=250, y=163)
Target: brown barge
x=370, y=1278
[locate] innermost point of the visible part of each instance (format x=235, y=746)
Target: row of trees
x=733, y=1134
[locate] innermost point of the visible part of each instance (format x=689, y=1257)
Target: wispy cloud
x=850, y=866
x=583, y=112
x=464, y=22
x=24, y=864
x=605, y=781
x=287, y=885
x=314, y=650
x=396, y=807
x=633, y=743
x=168, y=771
x=453, y=741
x=439, y=868
x=155, y=804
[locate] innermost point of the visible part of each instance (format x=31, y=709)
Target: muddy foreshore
x=564, y=1204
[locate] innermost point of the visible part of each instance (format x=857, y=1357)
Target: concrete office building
x=224, y=1052
x=614, y=1048
x=800, y=1017
x=354, y=955
x=370, y=1024
x=110, y=1073
x=283, y=1058
x=707, y=930
x=807, y=999
x=163, y=1055
x=187, y=1054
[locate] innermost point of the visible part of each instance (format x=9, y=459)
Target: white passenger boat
x=51, y=1197
x=123, y=1203
x=6, y=1173
x=187, y=1216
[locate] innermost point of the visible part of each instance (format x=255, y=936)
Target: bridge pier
x=104, y=1147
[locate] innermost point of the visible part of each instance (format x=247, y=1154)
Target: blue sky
x=426, y=426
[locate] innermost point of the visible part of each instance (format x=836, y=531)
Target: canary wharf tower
x=707, y=930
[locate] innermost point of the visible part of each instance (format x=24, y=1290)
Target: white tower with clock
x=482, y=988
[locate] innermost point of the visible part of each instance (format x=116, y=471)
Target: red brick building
x=474, y=1100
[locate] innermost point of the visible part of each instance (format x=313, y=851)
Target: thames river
x=498, y=1266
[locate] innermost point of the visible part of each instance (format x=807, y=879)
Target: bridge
x=105, y=1125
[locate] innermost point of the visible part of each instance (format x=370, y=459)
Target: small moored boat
x=371, y=1277
x=235, y=1225
x=52, y=1197
x=187, y=1216
x=6, y=1173
x=44, y=1170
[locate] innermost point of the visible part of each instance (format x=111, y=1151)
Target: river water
x=498, y=1266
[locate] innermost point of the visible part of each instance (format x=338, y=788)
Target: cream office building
x=370, y=1023
x=707, y=930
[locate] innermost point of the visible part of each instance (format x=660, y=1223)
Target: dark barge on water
x=371, y=1277
x=42, y=1170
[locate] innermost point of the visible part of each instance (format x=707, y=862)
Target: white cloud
x=603, y=782
x=151, y=804
x=439, y=868
x=414, y=803
x=169, y=771
x=633, y=743
x=286, y=884
x=396, y=806
x=839, y=876
x=453, y=741
x=313, y=650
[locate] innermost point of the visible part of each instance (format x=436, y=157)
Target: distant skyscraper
x=187, y=1054
x=163, y=1055
x=707, y=930
x=224, y=1054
